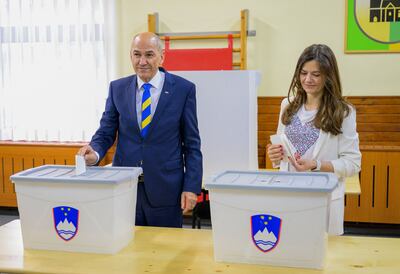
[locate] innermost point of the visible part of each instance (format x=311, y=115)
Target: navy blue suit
x=170, y=153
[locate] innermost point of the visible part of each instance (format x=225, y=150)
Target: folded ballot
x=80, y=165
x=288, y=148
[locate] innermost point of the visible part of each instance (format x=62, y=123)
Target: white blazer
x=341, y=150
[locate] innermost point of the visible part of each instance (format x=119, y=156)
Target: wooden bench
x=378, y=125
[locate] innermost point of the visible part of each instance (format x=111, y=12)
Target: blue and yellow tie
x=146, y=109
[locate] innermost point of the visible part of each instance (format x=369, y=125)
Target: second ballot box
x=274, y=218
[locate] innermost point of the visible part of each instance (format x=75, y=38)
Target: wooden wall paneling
x=380, y=188
x=374, y=100
x=8, y=200
x=7, y=197
x=268, y=126
x=386, y=193
x=358, y=207
x=18, y=165
x=379, y=209
x=385, y=137
x=8, y=171
x=3, y=193
x=393, y=186
x=59, y=161
x=270, y=100
x=368, y=180
x=269, y=109
x=377, y=109
x=2, y=174
x=268, y=114
x=378, y=127
x=69, y=161
x=381, y=118
x=352, y=204
x=378, y=206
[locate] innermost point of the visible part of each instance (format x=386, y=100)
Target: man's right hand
x=89, y=154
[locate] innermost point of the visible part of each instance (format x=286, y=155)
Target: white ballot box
x=274, y=218
x=90, y=212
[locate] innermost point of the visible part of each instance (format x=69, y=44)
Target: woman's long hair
x=333, y=107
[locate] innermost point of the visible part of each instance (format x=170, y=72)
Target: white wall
x=284, y=28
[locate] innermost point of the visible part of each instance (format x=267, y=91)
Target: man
x=157, y=131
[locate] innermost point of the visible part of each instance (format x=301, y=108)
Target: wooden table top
x=169, y=250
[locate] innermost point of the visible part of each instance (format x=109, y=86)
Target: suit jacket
x=170, y=153
x=341, y=150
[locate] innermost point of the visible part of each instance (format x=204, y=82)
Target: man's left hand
x=188, y=201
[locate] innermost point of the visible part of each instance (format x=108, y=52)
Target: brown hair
x=333, y=107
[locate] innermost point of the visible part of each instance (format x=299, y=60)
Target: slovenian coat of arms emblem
x=265, y=231
x=66, y=220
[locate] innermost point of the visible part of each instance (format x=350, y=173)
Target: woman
x=321, y=126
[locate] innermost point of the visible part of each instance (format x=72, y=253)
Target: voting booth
x=227, y=118
x=274, y=218
x=90, y=212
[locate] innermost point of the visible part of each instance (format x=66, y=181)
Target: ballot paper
x=80, y=165
x=288, y=148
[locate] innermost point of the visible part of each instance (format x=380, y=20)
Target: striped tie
x=146, y=109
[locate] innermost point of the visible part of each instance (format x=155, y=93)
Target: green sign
x=372, y=26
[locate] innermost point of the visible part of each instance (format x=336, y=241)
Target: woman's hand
x=302, y=164
x=275, y=153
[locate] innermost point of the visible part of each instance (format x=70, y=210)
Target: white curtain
x=53, y=69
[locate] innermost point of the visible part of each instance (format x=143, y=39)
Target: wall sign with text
x=372, y=26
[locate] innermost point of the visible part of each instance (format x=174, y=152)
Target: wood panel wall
x=268, y=115
x=379, y=201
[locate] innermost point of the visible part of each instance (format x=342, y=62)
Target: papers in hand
x=80, y=165
x=288, y=148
